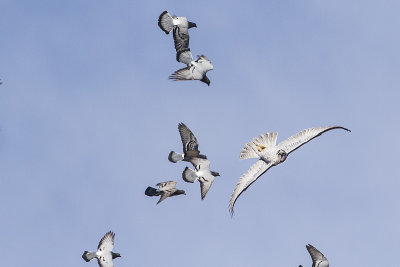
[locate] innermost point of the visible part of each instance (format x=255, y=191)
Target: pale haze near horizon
x=88, y=117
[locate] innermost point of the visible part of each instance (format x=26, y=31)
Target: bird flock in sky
x=264, y=147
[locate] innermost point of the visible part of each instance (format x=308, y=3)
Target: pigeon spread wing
x=107, y=242
x=255, y=171
x=181, y=38
x=189, y=141
x=305, y=136
x=317, y=257
x=205, y=184
x=185, y=74
x=166, y=193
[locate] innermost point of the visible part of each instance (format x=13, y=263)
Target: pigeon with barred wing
x=104, y=252
x=165, y=189
x=317, y=257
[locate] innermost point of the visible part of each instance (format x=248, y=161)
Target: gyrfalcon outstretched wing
x=294, y=142
x=189, y=141
x=255, y=171
x=317, y=257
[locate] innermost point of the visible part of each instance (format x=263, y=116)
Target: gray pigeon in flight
x=165, y=189
x=104, y=252
x=195, y=70
x=200, y=162
x=201, y=173
x=269, y=154
x=180, y=27
x=317, y=257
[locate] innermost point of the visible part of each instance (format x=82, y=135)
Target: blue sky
x=88, y=117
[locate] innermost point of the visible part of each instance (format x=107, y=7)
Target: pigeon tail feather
x=165, y=22
x=150, y=191
x=88, y=256
x=175, y=157
x=189, y=175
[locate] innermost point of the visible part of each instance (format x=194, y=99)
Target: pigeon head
x=282, y=155
x=192, y=24
x=115, y=255
x=215, y=173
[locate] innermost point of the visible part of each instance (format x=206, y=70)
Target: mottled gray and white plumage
x=202, y=173
x=180, y=27
x=269, y=154
x=165, y=189
x=104, y=252
x=196, y=69
x=317, y=257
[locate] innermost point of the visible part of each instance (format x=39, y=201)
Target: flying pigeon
x=200, y=162
x=104, y=252
x=317, y=257
x=195, y=70
x=190, y=146
x=165, y=189
x=180, y=27
x=201, y=173
x=264, y=147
